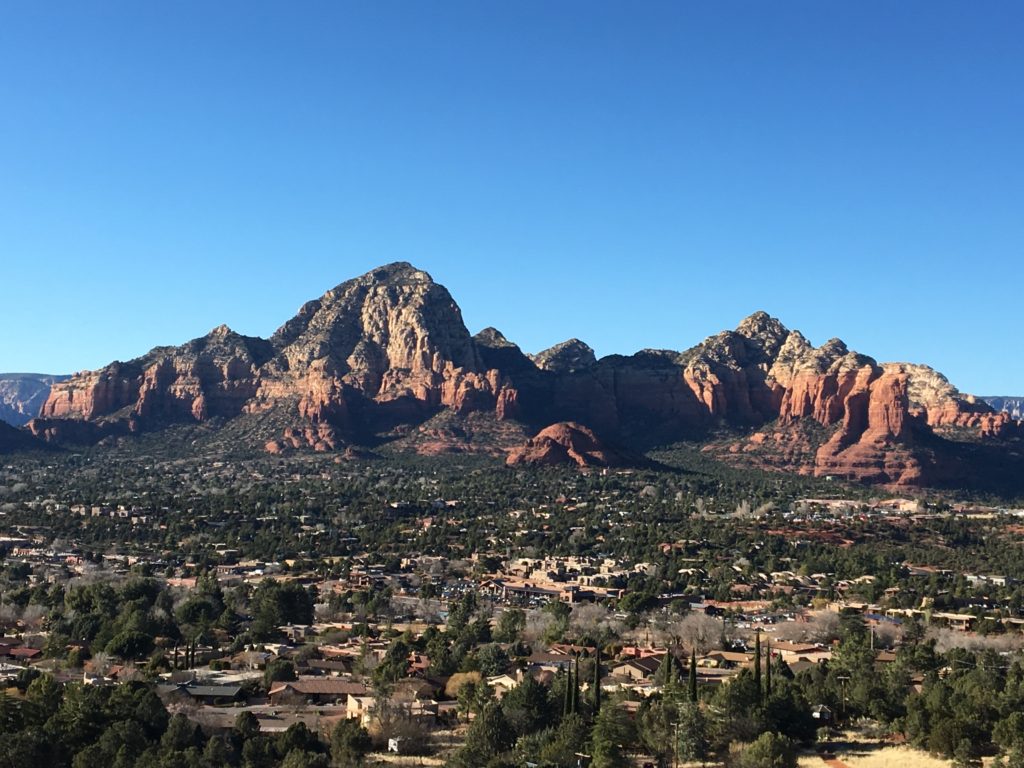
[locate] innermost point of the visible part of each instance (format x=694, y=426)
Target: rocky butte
x=386, y=354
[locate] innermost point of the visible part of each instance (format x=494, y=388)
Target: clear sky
x=634, y=174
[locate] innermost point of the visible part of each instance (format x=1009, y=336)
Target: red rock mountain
x=389, y=350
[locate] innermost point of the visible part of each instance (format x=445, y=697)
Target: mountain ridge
x=382, y=352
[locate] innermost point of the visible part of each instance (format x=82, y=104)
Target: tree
x=692, y=733
x=612, y=734
x=247, y=726
x=489, y=736
x=769, y=750
x=656, y=728
x=510, y=626
x=349, y=744
x=666, y=672
x=562, y=743
x=757, y=660
x=181, y=734
x=492, y=660
x=526, y=707
x=278, y=670
x=298, y=758
x=45, y=694
x=692, y=676
x=130, y=645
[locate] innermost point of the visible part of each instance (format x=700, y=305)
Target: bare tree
x=698, y=631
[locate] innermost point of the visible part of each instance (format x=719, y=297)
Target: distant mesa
x=23, y=394
x=1014, y=406
x=377, y=357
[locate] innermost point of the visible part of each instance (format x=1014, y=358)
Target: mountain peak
x=492, y=337
x=397, y=272
x=565, y=357
x=762, y=325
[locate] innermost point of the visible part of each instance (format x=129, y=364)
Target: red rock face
x=565, y=443
x=872, y=445
x=92, y=394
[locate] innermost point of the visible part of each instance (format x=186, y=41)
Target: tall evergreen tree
x=768, y=672
x=576, y=684
x=693, y=675
x=597, y=683
x=757, y=660
x=567, y=698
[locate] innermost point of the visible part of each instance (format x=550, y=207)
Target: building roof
x=328, y=687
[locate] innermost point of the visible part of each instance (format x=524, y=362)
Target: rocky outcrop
x=23, y=394
x=566, y=357
x=380, y=356
x=215, y=375
x=565, y=443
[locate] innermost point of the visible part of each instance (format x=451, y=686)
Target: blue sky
x=634, y=174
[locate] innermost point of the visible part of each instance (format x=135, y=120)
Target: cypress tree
x=768, y=671
x=693, y=675
x=597, y=682
x=567, y=698
x=757, y=661
x=576, y=684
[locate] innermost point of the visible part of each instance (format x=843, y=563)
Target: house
x=726, y=659
x=638, y=669
x=358, y=707
x=551, y=662
x=24, y=654
x=329, y=667
x=502, y=684
x=316, y=690
x=204, y=694
x=792, y=651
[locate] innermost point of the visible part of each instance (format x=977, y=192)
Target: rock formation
x=565, y=443
x=566, y=357
x=378, y=355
